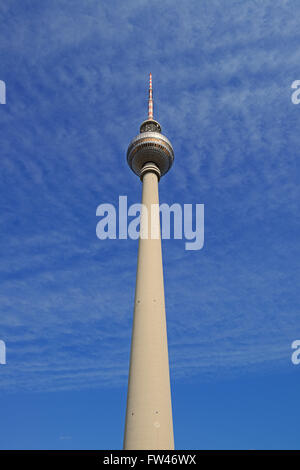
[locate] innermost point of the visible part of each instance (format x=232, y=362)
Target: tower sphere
x=150, y=145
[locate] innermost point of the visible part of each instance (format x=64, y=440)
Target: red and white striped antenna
x=150, y=102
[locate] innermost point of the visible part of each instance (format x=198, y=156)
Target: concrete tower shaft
x=149, y=413
x=149, y=423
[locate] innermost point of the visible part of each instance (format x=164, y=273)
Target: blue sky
x=76, y=76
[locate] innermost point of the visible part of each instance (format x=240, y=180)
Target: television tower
x=149, y=423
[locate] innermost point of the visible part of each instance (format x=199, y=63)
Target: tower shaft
x=149, y=422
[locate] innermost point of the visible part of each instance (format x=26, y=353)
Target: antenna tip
x=150, y=102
